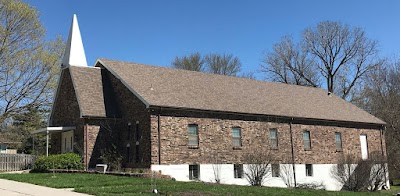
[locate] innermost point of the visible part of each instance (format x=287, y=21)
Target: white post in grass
x=47, y=143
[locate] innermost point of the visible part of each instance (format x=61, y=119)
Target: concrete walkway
x=13, y=188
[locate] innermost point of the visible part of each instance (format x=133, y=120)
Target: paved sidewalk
x=13, y=188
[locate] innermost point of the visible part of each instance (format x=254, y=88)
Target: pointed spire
x=74, y=54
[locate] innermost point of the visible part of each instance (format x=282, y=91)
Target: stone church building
x=184, y=123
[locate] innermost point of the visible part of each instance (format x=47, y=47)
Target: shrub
x=59, y=161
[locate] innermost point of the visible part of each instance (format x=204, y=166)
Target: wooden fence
x=16, y=162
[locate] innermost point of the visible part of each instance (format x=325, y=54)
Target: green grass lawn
x=99, y=184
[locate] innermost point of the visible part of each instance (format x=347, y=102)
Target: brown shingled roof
x=166, y=87
x=94, y=98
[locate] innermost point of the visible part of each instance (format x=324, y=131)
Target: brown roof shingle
x=166, y=87
x=92, y=93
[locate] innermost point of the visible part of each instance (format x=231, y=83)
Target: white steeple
x=74, y=54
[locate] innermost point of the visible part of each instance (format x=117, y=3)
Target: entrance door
x=67, y=141
x=364, y=146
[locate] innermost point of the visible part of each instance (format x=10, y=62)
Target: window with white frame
x=193, y=133
x=273, y=138
x=236, y=137
x=338, y=141
x=307, y=140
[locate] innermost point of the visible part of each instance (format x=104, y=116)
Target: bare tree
x=258, y=167
x=291, y=64
x=249, y=75
x=225, y=64
x=360, y=175
x=287, y=175
x=193, y=62
x=110, y=139
x=216, y=170
x=28, y=64
x=381, y=97
x=339, y=54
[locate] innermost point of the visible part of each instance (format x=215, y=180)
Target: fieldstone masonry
x=215, y=141
x=215, y=133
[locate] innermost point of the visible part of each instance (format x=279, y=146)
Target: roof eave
x=290, y=118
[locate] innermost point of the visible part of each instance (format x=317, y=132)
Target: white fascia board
x=52, y=129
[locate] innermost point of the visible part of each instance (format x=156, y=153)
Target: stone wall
x=90, y=136
x=215, y=140
x=215, y=133
x=104, y=132
x=133, y=111
x=66, y=113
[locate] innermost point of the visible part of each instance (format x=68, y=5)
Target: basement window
x=275, y=170
x=194, y=172
x=238, y=170
x=309, y=170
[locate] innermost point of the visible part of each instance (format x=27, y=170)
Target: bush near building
x=68, y=161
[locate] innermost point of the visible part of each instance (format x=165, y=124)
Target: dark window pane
x=194, y=171
x=238, y=170
x=275, y=170
x=309, y=170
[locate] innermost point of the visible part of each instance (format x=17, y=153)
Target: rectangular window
x=238, y=170
x=194, y=171
x=307, y=140
x=236, y=137
x=137, y=131
x=309, y=170
x=193, y=135
x=364, y=146
x=275, y=170
x=338, y=141
x=137, y=157
x=72, y=145
x=273, y=138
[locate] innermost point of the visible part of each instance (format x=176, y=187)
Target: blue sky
x=154, y=32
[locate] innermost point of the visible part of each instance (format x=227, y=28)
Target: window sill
x=339, y=150
x=237, y=148
x=307, y=149
x=274, y=148
x=193, y=147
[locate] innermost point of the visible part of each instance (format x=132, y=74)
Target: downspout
x=86, y=147
x=383, y=154
x=159, y=135
x=291, y=141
